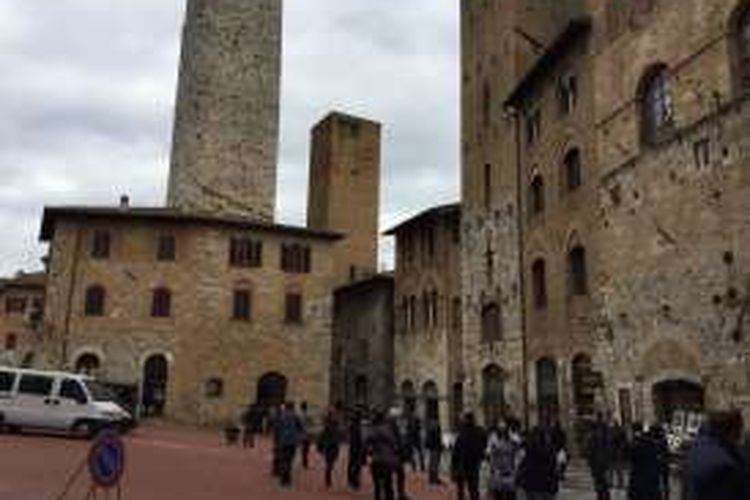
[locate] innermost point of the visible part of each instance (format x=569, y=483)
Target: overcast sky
x=87, y=94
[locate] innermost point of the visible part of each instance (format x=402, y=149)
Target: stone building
x=620, y=129
x=199, y=314
x=201, y=307
x=344, y=190
x=362, y=354
x=427, y=341
x=226, y=124
x=21, y=317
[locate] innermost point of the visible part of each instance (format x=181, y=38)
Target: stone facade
x=428, y=347
x=632, y=291
x=21, y=318
x=362, y=358
x=217, y=356
x=226, y=128
x=344, y=190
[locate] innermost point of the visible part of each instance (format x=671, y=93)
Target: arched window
x=572, y=167
x=425, y=310
x=536, y=195
x=539, y=283
x=492, y=328
x=161, y=303
x=96, y=298
x=577, y=273
x=87, y=363
x=493, y=394
x=656, y=105
x=741, y=37
x=435, y=313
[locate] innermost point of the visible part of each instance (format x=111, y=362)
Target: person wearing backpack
x=504, y=457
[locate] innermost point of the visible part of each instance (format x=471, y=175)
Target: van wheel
x=84, y=428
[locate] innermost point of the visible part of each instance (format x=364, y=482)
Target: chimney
x=124, y=202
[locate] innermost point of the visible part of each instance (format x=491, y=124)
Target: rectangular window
x=15, y=305
x=36, y=385
x=245, y=252
x=296, y=259
x=487, y=186
x=293, y=310
x=167, y=248
x=7, y=379
x=241, y=308
x=100, y=244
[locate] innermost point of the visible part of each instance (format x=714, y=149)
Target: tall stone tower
x=345, y=190
x=226, y=128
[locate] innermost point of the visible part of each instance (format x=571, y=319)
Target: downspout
x=514, y=113
x=69, y=299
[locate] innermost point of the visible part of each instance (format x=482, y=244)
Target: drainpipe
x=516, y=116
x=69, y=298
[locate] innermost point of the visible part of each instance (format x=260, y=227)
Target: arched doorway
x=431, y=401
x=493, y=394
x=271, y=390
x=155, y=378
x=584, y=386
x=409, y=397
x=87, y=364
x=671, y=396
x=548, y=400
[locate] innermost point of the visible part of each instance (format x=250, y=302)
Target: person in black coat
x=538, y=475
x=715, y=467
x=404, y=451
x=645, y=467
x=329, y=444
x=434, y=445
x=468, y=453
x=357, y=452
x=599, y=455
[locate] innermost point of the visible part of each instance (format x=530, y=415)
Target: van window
x=38, y=385
x=6, y=381
x=71, y=389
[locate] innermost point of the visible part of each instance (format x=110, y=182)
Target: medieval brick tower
x=226, y=129
x=345, y=188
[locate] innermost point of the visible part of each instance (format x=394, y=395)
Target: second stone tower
x=226, y=128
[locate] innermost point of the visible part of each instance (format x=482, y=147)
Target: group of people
x=532, y=462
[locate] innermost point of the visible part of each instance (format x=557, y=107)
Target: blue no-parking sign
x=107, y=459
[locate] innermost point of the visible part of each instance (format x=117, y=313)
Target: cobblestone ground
x=166, y=463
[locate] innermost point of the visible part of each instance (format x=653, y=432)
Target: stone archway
x=88, y=363
x=154, y=390
x=670, y=396
x=271, y=390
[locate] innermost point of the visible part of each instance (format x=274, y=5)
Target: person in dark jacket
x=559, y=442
x=307, y=434
x=659, y=435
x=468, y=453
x=287, y=437
x=645, y=467
x=329, y=444
x=434, y=445
x=382, y=447
x=405, y=454
x=357, y=455
x=715, y=468
x=538, y=471
x=620, y=456
x=414, y=435
x=599, y=456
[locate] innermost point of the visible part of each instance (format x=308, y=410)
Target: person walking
x=599, y=457
x=416, y=445
x=405, y=452
x=538, y=471
x=287, y=436
x=468, y=454
x=559, y=441
x=715, y=467
x=357, y=452
x=250, y=425
x=383, y=450
x=645, y=482
x=664, y=457
x=620, y=447
x=434, y=445
x=307, y=434
x=329, y=444
x=504, y=458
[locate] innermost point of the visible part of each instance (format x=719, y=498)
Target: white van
x=57, y=401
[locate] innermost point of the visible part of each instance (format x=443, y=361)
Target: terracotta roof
x=559, y=46
x=438, y=211
x=51, y=214
x=25, y=280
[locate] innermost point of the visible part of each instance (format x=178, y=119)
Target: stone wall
x=226, y=129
